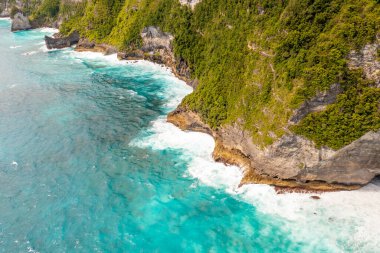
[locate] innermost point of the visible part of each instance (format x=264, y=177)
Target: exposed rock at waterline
x=292, y=161
x=62, y=42
x=20, y=22
x=86, y=45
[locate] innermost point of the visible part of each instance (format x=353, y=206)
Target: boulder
x=20, y=22
x=62, y=42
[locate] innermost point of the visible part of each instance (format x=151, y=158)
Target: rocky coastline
x=290, y=163
x=344, y=169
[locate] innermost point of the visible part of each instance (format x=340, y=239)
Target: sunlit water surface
x=88, y=164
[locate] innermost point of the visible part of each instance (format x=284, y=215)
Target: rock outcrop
x=20, y=22
x=357, y=163
x=5, y=14
x=316, y=104
x=292, y=161
x=59, y=41
x=368, y=59
x=155, y=39
x=190, y=3
x=86, y=45
x=157, y=47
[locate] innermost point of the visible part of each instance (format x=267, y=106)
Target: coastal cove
x=88, y=162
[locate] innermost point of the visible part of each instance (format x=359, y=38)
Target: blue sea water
x=85, y=165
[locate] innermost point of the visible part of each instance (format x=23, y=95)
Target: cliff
x=289, y=89
x=292, y=161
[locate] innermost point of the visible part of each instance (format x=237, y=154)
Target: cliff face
x=289, y=90
x=20, y=22
x=292, y=161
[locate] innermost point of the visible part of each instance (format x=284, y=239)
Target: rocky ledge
x=58, y=41
x=86, y=45
x=156, y=47
x=292, y=161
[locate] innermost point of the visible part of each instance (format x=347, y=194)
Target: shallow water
x=88, y=164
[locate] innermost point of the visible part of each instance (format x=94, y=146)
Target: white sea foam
x=345, y=219
x=341, y=220
x=44, y=49
x=14, y=47
x=48, y=30
x=95, y=56
x=30, y=53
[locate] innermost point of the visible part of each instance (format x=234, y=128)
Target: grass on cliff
x=257, y=61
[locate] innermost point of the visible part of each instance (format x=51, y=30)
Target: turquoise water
x=78, y=174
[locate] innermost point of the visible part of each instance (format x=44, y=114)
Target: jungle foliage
x=258, y=60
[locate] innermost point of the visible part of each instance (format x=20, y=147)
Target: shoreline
x=190, y=121
x=305, y=217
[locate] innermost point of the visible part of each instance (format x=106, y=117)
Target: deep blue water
x=73, y=179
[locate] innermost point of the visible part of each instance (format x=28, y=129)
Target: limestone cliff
x=292, y=161
x=288, y=89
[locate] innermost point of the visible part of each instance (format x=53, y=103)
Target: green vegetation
x=356, y=112
x=48, y=9
x=257, y=61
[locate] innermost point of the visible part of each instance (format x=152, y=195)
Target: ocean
x=88, y=163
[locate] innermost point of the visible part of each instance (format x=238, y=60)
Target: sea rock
x=154, y=39
x=62, y=42
x=20, y=22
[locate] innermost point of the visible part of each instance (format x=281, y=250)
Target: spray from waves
x=48, y=30
x=345, y=221
x=29, y=53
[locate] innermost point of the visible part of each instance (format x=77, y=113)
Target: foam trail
x=29, y=53
x=348, y=218
x=345, y=221
x=348, y=221
x=48, y=30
